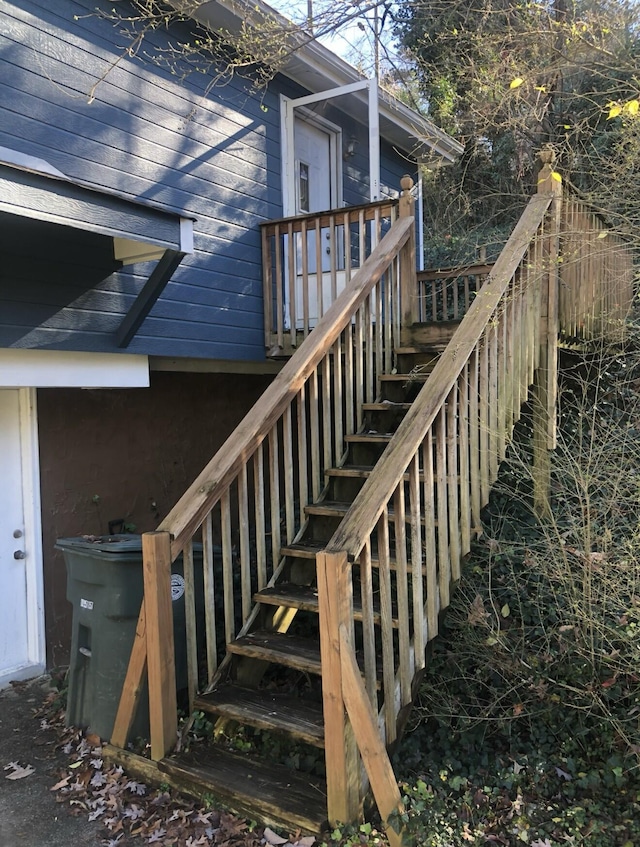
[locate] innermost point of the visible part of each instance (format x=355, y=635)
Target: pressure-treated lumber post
x=335, y=600
x=161, y=671
x=408, y=274
x=545, y=386
x=133, y=683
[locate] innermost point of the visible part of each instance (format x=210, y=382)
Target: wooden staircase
x=335, y=519
x=293, y=707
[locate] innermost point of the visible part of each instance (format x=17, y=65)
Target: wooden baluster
x=434, y=300
x=402, y=594
x=190, y=622
x=303, y=453
x=292, y=277
x=227, y=568
x=314, y=428
x=494, y=434
x=287, y=446
x=444, y=562
x=463, y=442
x=379, y=327
x=245, y=549
x=387, y=320
x=386, y=628
x=280, y=283
x=259, y=495
x=333, y=267
x=319, y=284
x=371, y=389
x=360, y=368
x=483, y=394
x=338, y=399
x=274, y=492
x=348, y=380
x=326, y=412
x=267, y=287
x=467, y=297
x=452, y=482
x=346, y=229
x=208, y=571
x=417, y=591
x=304, y=260
x=430, y=553
x=368, y=623
x=474, y=442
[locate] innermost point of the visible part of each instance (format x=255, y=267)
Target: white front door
x=21, y=616
x=316, y=190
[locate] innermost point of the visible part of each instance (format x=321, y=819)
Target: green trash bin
x=105, y=588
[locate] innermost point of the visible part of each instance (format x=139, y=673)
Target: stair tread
x=266, y=709
x=251, y=786
x=305, y=598
x=303, y=654
x=386, y=406
x=370, y=437
x=336, y=508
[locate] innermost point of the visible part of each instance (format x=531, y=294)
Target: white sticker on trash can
x=177, y=586
x=86, y=604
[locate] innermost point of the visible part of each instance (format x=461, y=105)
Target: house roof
x=317, y=69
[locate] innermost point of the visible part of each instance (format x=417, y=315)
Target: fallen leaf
x=18, y=771
x=273, y=838
x=516, y=83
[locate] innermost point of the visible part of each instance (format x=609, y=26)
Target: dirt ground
x=30, y=814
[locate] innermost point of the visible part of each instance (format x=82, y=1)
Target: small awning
x=135, y=232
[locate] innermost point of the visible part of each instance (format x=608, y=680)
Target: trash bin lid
x=123, y=543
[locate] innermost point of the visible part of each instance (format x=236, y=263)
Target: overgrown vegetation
x=529, y=719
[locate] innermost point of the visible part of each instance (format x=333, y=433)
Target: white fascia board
x=62, y=369
x=317, y=68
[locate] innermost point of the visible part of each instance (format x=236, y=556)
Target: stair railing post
x=545, y=386
x=161, y=671
x=335, y=601
x=408, y=273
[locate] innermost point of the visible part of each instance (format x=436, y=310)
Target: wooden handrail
x=366, y=509
x=369, y=209
x=189, y=512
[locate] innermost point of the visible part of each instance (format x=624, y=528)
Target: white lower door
x=21, y=612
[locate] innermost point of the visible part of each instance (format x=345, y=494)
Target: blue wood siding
x=214, y=156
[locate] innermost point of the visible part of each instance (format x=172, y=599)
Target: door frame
x=34, y=589
x=290, y=113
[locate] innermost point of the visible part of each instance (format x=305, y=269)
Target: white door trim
x=30, y=465
x=289, y=112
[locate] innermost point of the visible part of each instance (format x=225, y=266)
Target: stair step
x=335, y=509
x=417, y=376
x=266, y=709
x=305, y=598
x=386, y=406
x=368, y=438
x=302, y=654
x=328, y=508
x=360, y=472
x=310, y=549
x=252, y=787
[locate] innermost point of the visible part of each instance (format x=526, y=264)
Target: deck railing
x=409, y=527
x=256, y=487
x=446, y=294
x=307, y=262
x=596, y=274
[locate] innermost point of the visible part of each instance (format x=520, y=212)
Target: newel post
x=335, y=606
x=408, y=277
x=161, y=670
x=545, y=386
